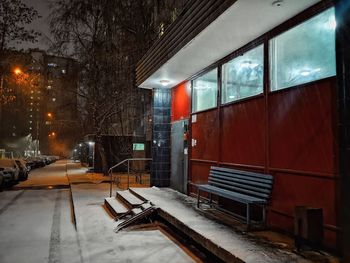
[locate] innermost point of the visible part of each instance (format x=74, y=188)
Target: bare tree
x=14, y=15
x=108, y=38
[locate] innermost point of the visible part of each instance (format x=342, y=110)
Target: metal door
x=179, y=156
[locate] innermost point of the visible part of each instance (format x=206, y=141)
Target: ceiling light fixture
x=277, y=3
x=164, y=82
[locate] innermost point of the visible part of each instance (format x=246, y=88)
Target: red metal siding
x=242, y=133
x=205, y=132
x=290, y=190
x=296, y=143
x=180, y=102
x=301, y=130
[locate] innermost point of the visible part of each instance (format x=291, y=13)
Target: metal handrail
x=110, y=170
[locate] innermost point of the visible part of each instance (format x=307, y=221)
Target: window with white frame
x=304, y=53
x=243, y=76
x=205, y=90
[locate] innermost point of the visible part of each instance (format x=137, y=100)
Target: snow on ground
x=53, y=174
x=182, y=207
x=101, y=244
x=36, y=227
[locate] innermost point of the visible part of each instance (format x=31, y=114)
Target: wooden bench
x=244, y=187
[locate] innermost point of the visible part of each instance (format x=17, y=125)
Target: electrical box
x=308, y=226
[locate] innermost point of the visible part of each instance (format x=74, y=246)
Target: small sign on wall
x=194, y=118
x=194, y=142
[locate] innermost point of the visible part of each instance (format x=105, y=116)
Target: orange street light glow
x=17, y=71
x=53, y=133
x=49, y=114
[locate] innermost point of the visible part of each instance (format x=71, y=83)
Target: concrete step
x=136, y=211
x=115, y=206
x=138, y=215
x=145, y=206
x=129, y=199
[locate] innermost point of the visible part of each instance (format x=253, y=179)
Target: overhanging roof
x=207, y=31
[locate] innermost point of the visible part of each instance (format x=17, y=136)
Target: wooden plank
x=243, y=186
x=253, y=179
x=231, y=195
x=242, y=180
x=240, y=190
x=252, y=174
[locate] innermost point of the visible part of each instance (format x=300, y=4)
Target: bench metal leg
x=264, y=214
x=198, y=198
x=248, y=216
x=210, y=199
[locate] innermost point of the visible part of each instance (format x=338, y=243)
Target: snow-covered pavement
x=101, y=244
x=37, y=225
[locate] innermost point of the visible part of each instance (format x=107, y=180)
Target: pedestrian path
x=95, y=229
x=223, y=241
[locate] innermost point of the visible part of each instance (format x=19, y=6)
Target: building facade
x=254, y=85
x=42, y=116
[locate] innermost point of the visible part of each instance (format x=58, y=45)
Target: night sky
x=41, y=25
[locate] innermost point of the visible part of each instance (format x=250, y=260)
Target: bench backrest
x=248, y=183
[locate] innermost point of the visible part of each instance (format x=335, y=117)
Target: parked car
x=35, y=162
x=10, y=168
x=1, y=180
x=40, y=161
x=5, y=178
x=23, y=170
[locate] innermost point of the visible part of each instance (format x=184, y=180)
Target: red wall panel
x=296, y=143
x=180, y=102
x=242, y=133
x=291, y=190
x=200, y=172
x=205, y=132
x=301, y=129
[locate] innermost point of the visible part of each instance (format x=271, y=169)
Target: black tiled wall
x=160, y=172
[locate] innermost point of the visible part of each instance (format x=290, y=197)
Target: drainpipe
x=342, y=11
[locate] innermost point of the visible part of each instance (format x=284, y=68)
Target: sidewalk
x=95, y=228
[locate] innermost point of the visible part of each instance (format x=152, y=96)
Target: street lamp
x=49, y=114
x=17, y=71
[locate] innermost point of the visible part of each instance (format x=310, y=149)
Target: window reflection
x=205, y=91
x=243, y=76
x=304, y=53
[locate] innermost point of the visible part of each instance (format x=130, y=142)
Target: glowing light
x=164, y=82
x=17, y=71
x=49, y=114
x=248, y=64
x=91, y=143
x=305, y=73
x=332, y=23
